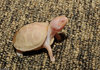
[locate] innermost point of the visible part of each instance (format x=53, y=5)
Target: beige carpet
x=80, y=49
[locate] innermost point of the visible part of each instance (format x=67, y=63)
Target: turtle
x=37, y=35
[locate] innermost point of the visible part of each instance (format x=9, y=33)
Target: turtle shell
x=30, y=36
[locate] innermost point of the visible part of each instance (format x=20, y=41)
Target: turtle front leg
x=48, y=47
x=58, y=37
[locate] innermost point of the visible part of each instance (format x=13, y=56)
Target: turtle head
x=58, y=23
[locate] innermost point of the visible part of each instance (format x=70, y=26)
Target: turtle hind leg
x=19, y=53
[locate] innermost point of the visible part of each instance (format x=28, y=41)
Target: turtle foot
x=19, y=53
x=53, y=59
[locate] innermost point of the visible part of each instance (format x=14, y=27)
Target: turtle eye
x=63, y=20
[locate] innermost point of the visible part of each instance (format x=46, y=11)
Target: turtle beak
x=63, y=22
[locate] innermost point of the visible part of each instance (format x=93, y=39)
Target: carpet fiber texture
x=80, y=47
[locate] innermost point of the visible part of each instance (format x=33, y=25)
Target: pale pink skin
x=56, y=25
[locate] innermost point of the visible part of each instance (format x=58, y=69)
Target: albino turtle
x=38, y=35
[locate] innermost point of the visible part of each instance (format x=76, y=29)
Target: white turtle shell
x=31, y=36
